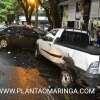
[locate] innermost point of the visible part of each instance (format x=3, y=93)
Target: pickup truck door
x=48, y=46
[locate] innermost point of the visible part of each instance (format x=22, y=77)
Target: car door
x=63, y=42
x=22, y=40
x=27, y=38
x=10, y=35
x=47, y=44
x=30, y=37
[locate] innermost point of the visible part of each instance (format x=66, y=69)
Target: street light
x=32, y=1
x=35, y=3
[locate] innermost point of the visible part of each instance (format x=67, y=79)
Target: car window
x=27, y=30
x=74, y=38
x=9, y=30
x=18, y=30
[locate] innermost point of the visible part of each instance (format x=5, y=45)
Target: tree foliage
x=29, y=6
x=7, y=7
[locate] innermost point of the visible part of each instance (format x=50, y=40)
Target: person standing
x=98, y=36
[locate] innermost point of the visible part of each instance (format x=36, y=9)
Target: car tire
x=3, y=43
x=68, y=75
x=66, y=78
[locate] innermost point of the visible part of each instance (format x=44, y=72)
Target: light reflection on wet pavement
x=19, y=69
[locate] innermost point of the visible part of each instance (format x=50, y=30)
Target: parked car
x=2, y=27
x=70, y=49
x=19, y=37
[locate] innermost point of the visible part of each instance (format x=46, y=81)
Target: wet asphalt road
x=19, y=69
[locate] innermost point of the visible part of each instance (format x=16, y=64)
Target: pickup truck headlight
x=93, y=68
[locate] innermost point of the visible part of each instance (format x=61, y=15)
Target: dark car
x=2, y=28
x=19, y=37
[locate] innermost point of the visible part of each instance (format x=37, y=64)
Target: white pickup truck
x=70, y=49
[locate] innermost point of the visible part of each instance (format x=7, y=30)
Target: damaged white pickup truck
x=70, y=49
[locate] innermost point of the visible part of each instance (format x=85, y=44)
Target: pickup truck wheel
x=66, y=78
x=3, y=43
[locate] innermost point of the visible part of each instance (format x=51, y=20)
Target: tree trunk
x=28, y=19
x=49, y=18
x=54, y=10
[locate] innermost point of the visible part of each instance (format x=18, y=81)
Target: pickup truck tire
x=66, y=78
x=68, y=75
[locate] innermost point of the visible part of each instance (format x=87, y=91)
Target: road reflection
x=26, y=78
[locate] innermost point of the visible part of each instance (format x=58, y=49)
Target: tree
x=7, y=7
x=53, y=12
x=29, y=6
x=45, y=4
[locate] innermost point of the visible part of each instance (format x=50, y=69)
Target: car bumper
x=90, y=80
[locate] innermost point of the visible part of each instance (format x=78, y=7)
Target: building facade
x=94, y=21
x=75, y=13
x=95, y=12
x=95, y=9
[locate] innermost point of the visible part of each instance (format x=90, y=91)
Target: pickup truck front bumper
x=84, y=78
x=90, y=80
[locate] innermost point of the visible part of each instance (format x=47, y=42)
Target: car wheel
x=66, y=78
x=3, y=43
